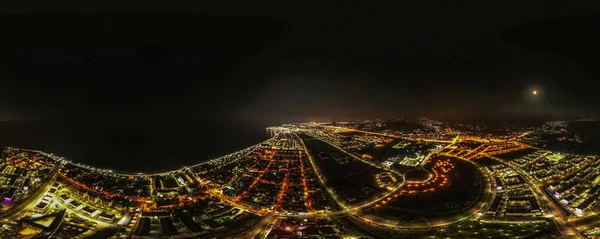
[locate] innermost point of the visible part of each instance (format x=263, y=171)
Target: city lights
x=301, y=173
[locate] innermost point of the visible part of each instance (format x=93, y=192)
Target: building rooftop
x=106, y=215
x=75, y=203
x=88, y=209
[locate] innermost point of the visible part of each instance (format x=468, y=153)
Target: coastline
x=140, y=174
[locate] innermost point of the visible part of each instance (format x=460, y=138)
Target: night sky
x=278, y=61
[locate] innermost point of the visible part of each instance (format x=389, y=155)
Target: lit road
x=346, y=210
x=321, y=180
x=360, y=159
x=470, y=214
x=30, y=201
x=270, y=215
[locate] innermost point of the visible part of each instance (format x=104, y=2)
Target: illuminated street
x=297, y=181
x=299, y=120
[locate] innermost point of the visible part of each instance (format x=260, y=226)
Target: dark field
x=485, y=161
x=465, y=188
x=416, y=175
x=353, y=182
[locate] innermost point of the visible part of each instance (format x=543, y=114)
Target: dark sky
x=305, y=60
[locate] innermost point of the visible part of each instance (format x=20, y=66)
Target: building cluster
x=204, y=219
x=222, y=161
x=546, y=166
x=385, y=179
x=512, y=194
x=570, y=180
x=346, y=142
x=368, y=139
x=147, y=205
x=577, y=192
x=304, y=169
x=412, y=153
x=554, y=127
x=108, y=183
x=277, y=177
x=462, y=152
x=519, y=202
x=422, y=128
x=86, y=211
x=22, y=173
x=90, y=210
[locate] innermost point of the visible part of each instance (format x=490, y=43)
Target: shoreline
x=137, y=174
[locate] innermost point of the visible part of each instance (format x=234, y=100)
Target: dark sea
x=134, y=146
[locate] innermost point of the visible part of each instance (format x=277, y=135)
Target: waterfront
x=140, y=146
